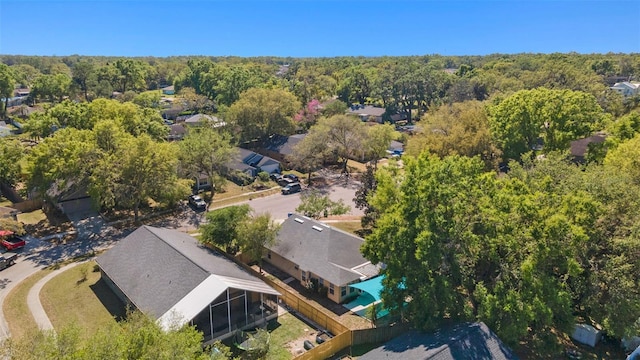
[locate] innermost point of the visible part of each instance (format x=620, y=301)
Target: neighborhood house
x=168, y=275
x=313, y=252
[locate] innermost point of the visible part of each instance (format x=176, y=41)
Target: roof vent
x=317, y=228
x=298, y=220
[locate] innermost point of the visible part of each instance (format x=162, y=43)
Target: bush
x=263, y=176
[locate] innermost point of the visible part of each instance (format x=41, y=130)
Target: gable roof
x=247, y=160
x=463, y=341
x=366, y=110
x=194, y=119
x=332, y=254
x=284, y=144
x=161, y=271
x=168, y=88
x=579, y=147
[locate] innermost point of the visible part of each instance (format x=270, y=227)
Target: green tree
x=456, y=129
x=367, y=188
x=148, y=99
x=308, y=154
x=83, y=72
x=255, y=235
x=378, y=139
x=260, y=113
x=10, y=161
x=315, y=205
x=7, y=83
x=206, y=151
x=336, y=107
x=343, y=136
x=64, y=159
x=222, y=226
x=128, y=74
x=139, y=169
x=555, y=116
x=138, y=337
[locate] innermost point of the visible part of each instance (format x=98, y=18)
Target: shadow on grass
x=109, y=300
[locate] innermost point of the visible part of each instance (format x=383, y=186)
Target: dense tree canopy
x=526, y=253
x=260, y=113
x=456, y=129
x=551, y=118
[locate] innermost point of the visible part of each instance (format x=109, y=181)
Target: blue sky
x=305, y=28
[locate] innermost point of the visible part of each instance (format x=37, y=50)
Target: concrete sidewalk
x=33, y=298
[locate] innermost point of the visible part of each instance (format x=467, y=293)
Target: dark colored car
x=293, y=177
x=197, y=202
x=275, y=177
x=291, y=188
x=283, y=181
x=11, y=241
x=7, y=259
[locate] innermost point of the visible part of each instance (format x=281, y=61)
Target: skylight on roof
x=298, y=220
x=317, y=228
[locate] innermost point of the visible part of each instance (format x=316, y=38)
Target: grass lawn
x=67, y=299
x=227, y=201
x=15, y=307
x=287, y=329
x=33, y=217
x=348, y=226
x=356, y=166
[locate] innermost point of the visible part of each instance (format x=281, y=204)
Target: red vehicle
x=10, y=240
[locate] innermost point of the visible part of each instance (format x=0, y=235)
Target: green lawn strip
x=32, y=217
x=348, y=226
x=221, y=203
x=290, y=328
x=68, y=299
x=15, y=308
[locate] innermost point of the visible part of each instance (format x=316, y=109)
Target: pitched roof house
x=310, y=250
x=280, y=146
x=168, y=275
x=169, y=90
x=580, y=147
x=252, y=163
x=367, y=112
x=626, y=88
x=197, y=119
x=470, y=341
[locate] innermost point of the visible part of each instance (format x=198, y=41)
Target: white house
x=626, y=88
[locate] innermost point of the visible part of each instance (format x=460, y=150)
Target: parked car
x=11, y=241
x=283, y=181
x=293, y=177
x=275, y=177
x=7, y=259
x=291, y=188
x=197, y=202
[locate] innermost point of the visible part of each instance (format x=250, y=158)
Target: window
x=352, y=290
x=343, y=291
x=304, y=276
x=331, y=291
x=269, y=255
x=320, y=281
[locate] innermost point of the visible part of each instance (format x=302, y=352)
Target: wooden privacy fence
x=299, y=304
x=327, y=348
x=28, y=205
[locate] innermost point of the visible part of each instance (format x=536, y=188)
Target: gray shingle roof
x=155, y=268
x=468, y=341
x=284, y=144
x=330, y=253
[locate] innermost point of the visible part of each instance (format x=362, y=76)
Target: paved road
x=280, y=205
